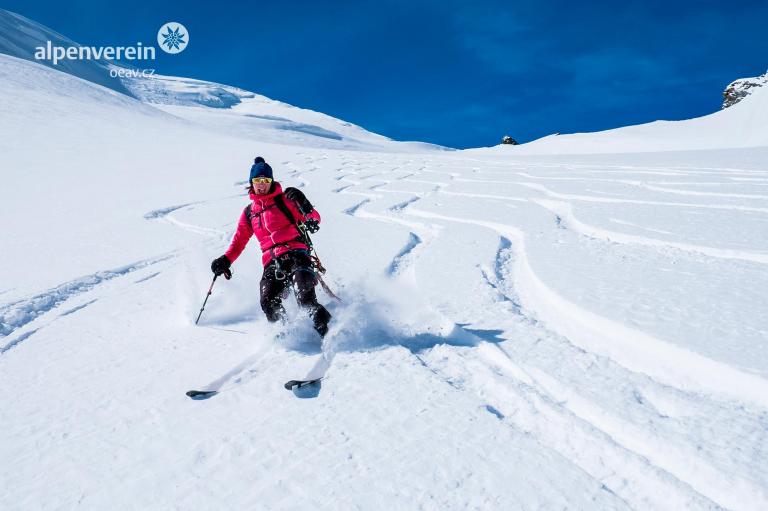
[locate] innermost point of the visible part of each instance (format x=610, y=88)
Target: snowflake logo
x=173, y=37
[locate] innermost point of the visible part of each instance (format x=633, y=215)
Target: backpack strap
x=280, y=203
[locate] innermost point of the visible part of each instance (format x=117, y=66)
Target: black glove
x=312, y=225
x=299, y=198
x=220, y=266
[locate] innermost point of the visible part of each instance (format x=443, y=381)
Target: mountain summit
x=741, y=88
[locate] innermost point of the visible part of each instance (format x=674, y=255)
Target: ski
x=297, y=384
x=202, y=394
x=317, y=373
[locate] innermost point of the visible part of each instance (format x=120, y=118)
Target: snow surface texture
x=516, y=332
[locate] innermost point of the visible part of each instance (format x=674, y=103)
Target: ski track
x=160, y=213
x=552, y=404
x=636, y=350
x=15, y=315
x=700, y=194
x=595, y=391
x=611, y=200
x=638, y=226
x=166, y=214
x=150, y=276
x=21, y=338
x=626, y=438
x=648, y=185
x=686, y=462
x=402, y=205
x=352, y=210
x=530, y=408
x=78, y=308
x=564, y=217
x=400, y=260
x=207, y=232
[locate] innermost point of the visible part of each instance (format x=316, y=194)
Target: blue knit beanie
x=260, y=169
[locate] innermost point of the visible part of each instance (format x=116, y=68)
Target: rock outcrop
x=742, y=88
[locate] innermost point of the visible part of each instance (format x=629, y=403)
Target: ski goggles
x=261, y=180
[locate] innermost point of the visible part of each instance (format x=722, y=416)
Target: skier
x=274, y=216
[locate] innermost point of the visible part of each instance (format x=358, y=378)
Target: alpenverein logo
x=56, y=53
x=173, y=37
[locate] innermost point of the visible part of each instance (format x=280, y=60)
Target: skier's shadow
x=308, y=391
x=460, y=336
x=307, y=347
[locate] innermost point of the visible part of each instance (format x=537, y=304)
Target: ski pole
x=210, y=290
x=327, y=289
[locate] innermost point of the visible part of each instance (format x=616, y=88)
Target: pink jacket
x=275, y=232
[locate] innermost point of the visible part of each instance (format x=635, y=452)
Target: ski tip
x=297, y=384
x=201, y=394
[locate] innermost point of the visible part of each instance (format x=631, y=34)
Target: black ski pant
x=295, y=268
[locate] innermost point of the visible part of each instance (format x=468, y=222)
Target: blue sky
x=461, y=74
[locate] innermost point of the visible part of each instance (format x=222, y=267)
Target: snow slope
x=516, y=332
x=19, y=36
x=212, y=106
x=744, y=124
x=240, y=113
